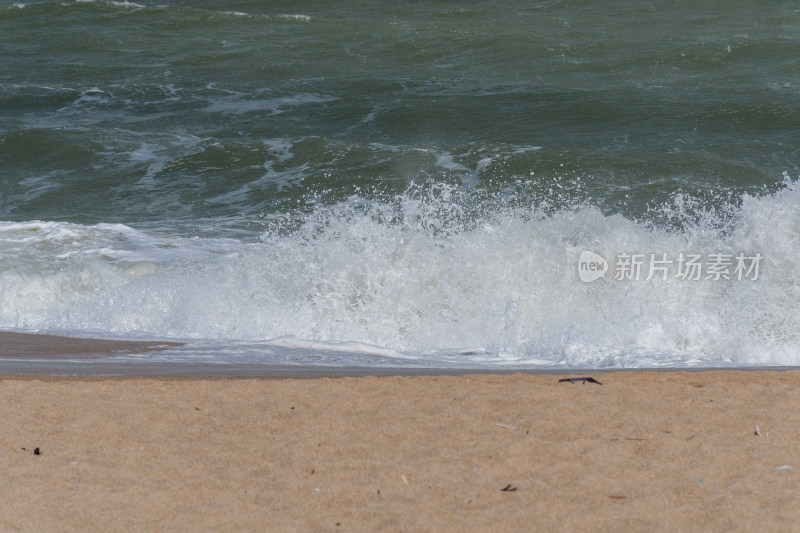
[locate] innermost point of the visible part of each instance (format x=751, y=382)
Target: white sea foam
x=298, y=17
x=433, y=275
x=128, y=4
x=237, y=105
x=125, y=3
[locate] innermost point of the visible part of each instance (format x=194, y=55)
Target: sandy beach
x=666, y=451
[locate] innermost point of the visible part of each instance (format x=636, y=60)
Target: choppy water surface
x=403, y=184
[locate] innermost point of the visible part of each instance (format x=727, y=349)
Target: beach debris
x=783, y=467
x=36, y=451
x=508, y=488
x=583, y=380
x=404, y=479
x=758, y=432
x=505, y=425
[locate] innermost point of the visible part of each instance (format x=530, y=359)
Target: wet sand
x=644, y=451
x=52, y=347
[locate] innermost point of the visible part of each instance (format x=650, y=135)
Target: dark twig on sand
x=575, y=380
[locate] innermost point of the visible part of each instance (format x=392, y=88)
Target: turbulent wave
x=412, y=182
x=436, y=271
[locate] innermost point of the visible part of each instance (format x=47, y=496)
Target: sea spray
x=436, y=270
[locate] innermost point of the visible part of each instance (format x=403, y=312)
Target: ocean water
x=449, y=184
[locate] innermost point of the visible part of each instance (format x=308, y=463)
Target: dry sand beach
x=666, y=451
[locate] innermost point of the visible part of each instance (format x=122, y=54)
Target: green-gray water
x=350, y=155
